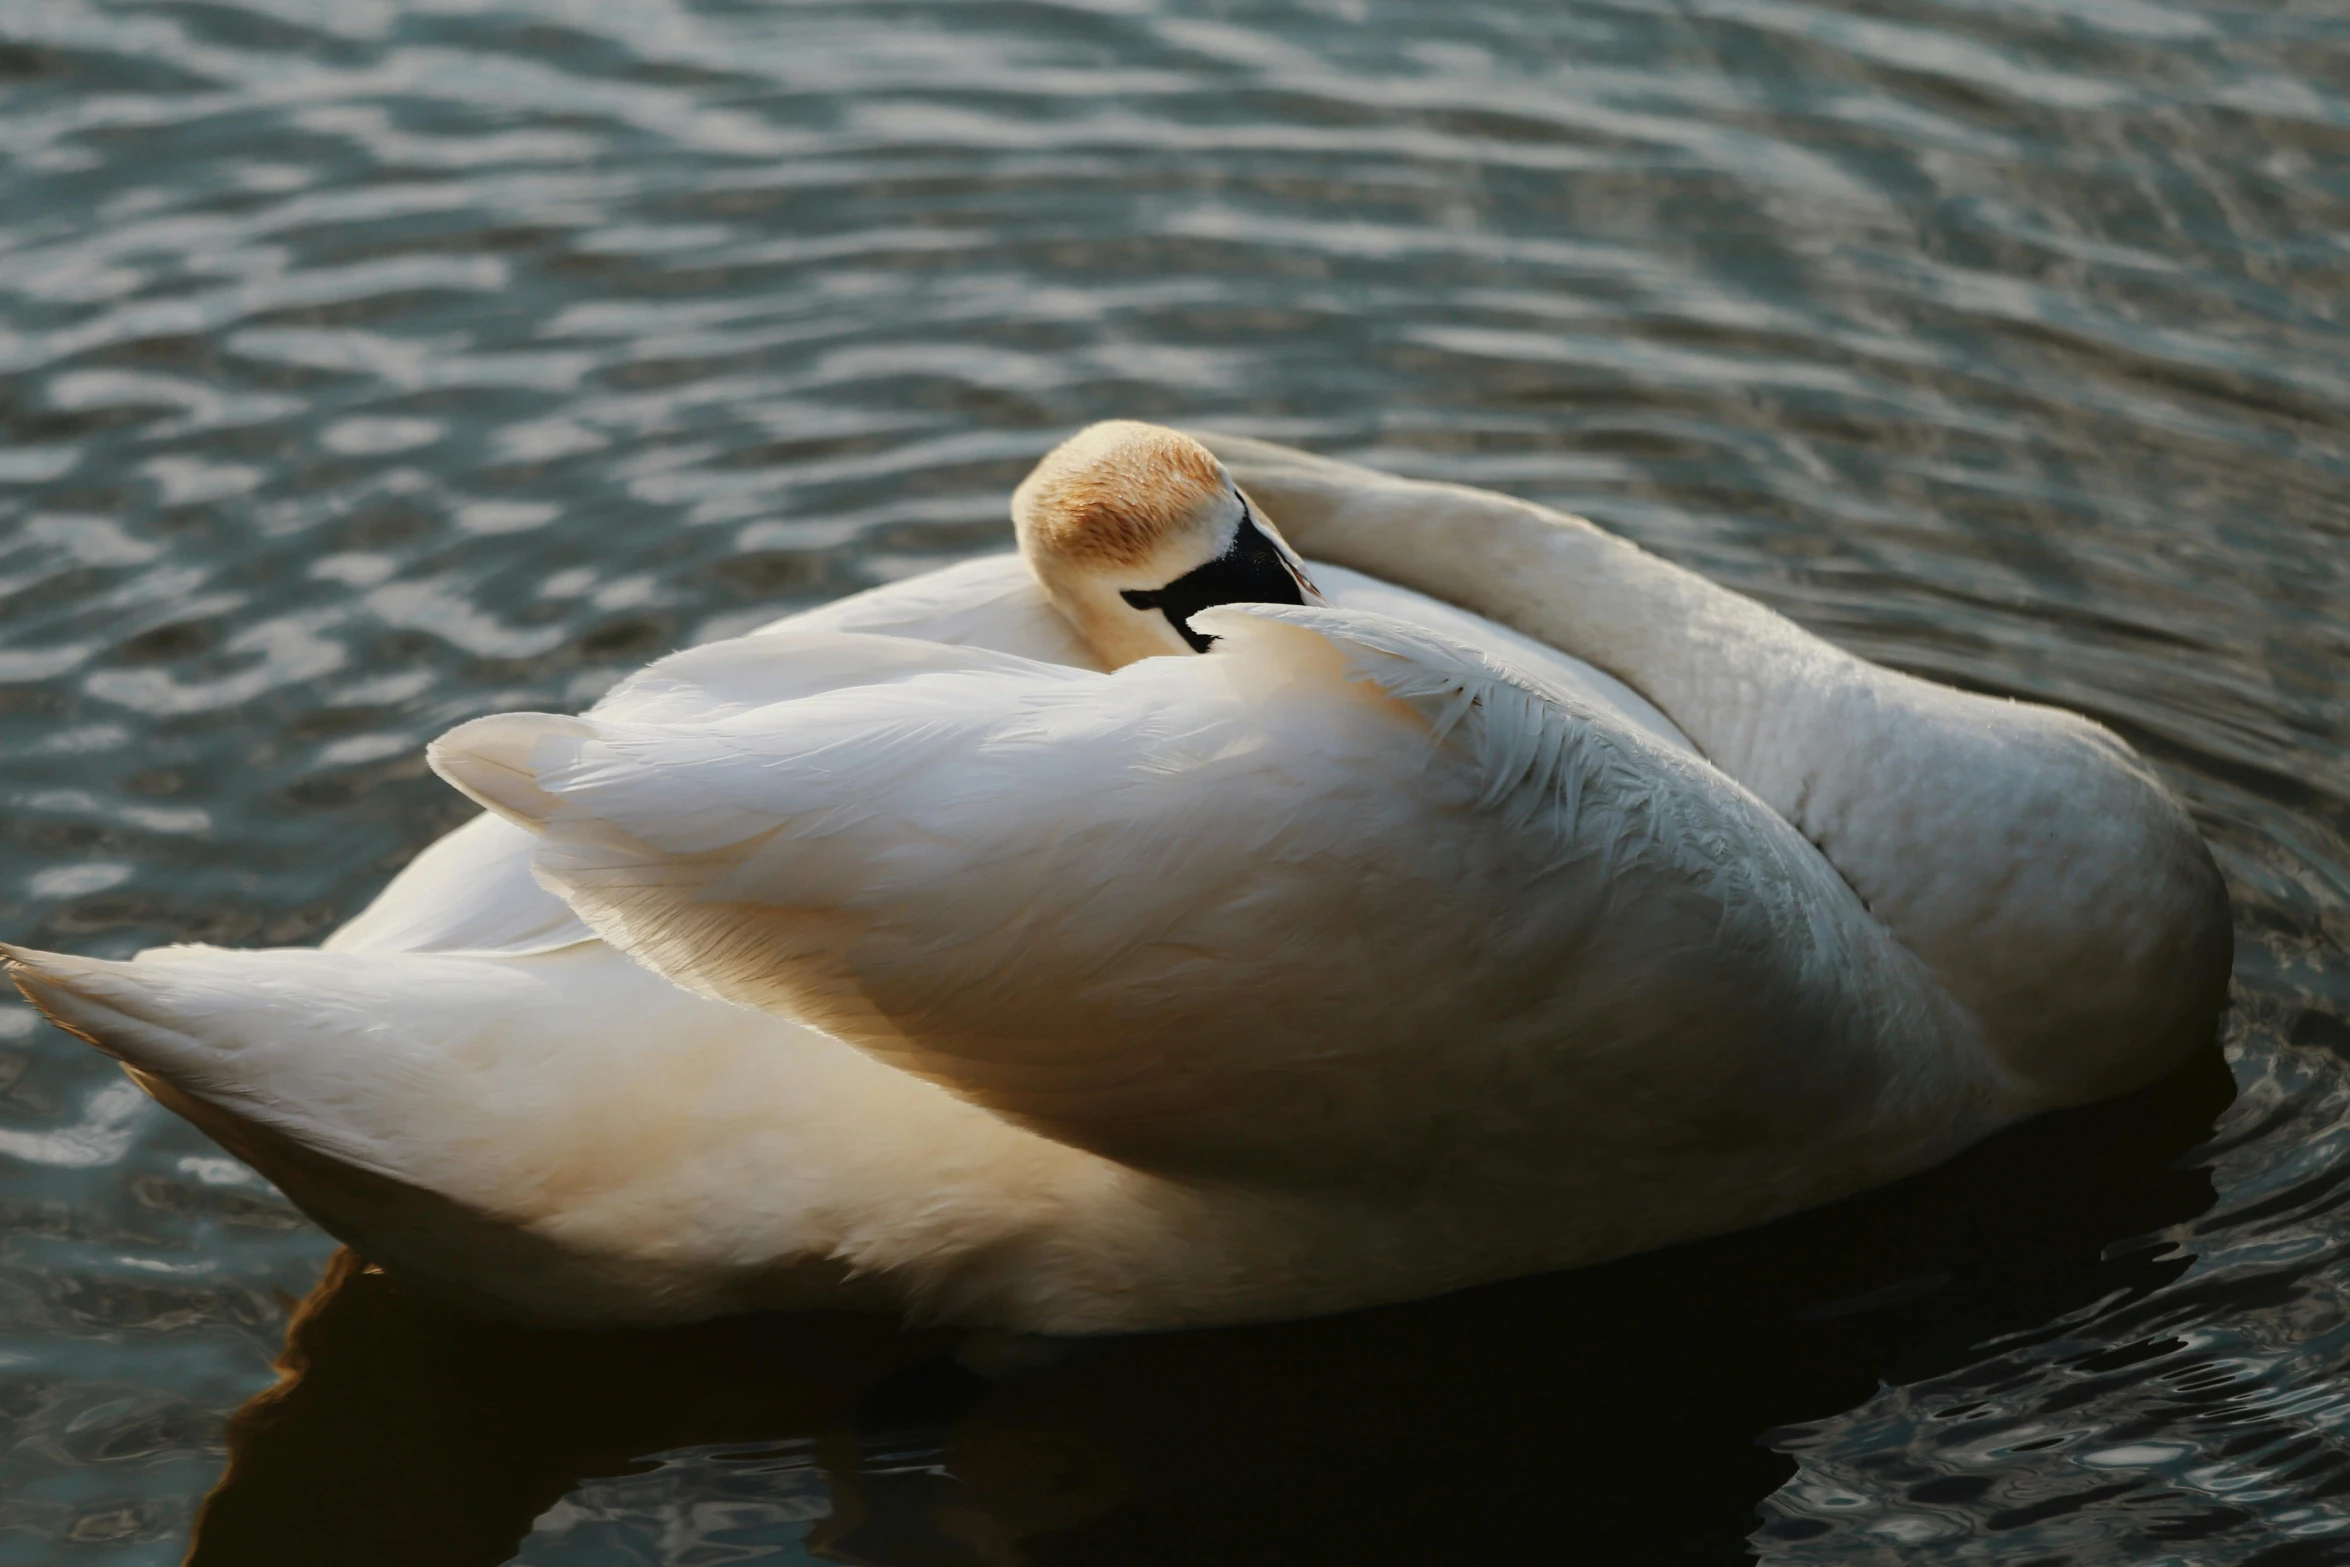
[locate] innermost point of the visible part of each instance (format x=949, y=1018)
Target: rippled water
x=369, y=366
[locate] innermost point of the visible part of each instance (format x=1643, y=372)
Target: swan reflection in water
x=1624, y=1408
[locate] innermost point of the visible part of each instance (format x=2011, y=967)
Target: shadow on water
x=1620, y=1407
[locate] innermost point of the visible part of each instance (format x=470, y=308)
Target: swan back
x=1343, y=902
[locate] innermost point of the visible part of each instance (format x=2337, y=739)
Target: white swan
x=989, y=970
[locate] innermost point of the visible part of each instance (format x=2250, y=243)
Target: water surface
x=365, y=367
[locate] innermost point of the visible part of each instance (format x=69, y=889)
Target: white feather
x=898, y=955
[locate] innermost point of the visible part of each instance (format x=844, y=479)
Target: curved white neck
x=2026, y=854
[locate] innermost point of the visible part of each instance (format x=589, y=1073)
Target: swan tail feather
x=516, y=1135
x=218, y=1026
x=107, y=1005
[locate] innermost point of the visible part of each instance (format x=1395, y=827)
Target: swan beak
x=1256, y=568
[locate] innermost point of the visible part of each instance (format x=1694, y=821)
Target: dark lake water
x=367, y=366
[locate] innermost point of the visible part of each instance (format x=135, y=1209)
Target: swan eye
x=1252, y=570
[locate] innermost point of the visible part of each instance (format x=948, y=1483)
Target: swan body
x=949, y=950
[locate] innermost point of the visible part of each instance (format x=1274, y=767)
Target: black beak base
x=1252, y=571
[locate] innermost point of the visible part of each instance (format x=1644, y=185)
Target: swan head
x=1134, y=528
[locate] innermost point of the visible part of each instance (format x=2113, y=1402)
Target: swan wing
x=1343, y=895
x=472, y=891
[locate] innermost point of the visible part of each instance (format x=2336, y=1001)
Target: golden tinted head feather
x=1110, y=495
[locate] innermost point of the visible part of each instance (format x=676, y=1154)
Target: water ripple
x=372, y=366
